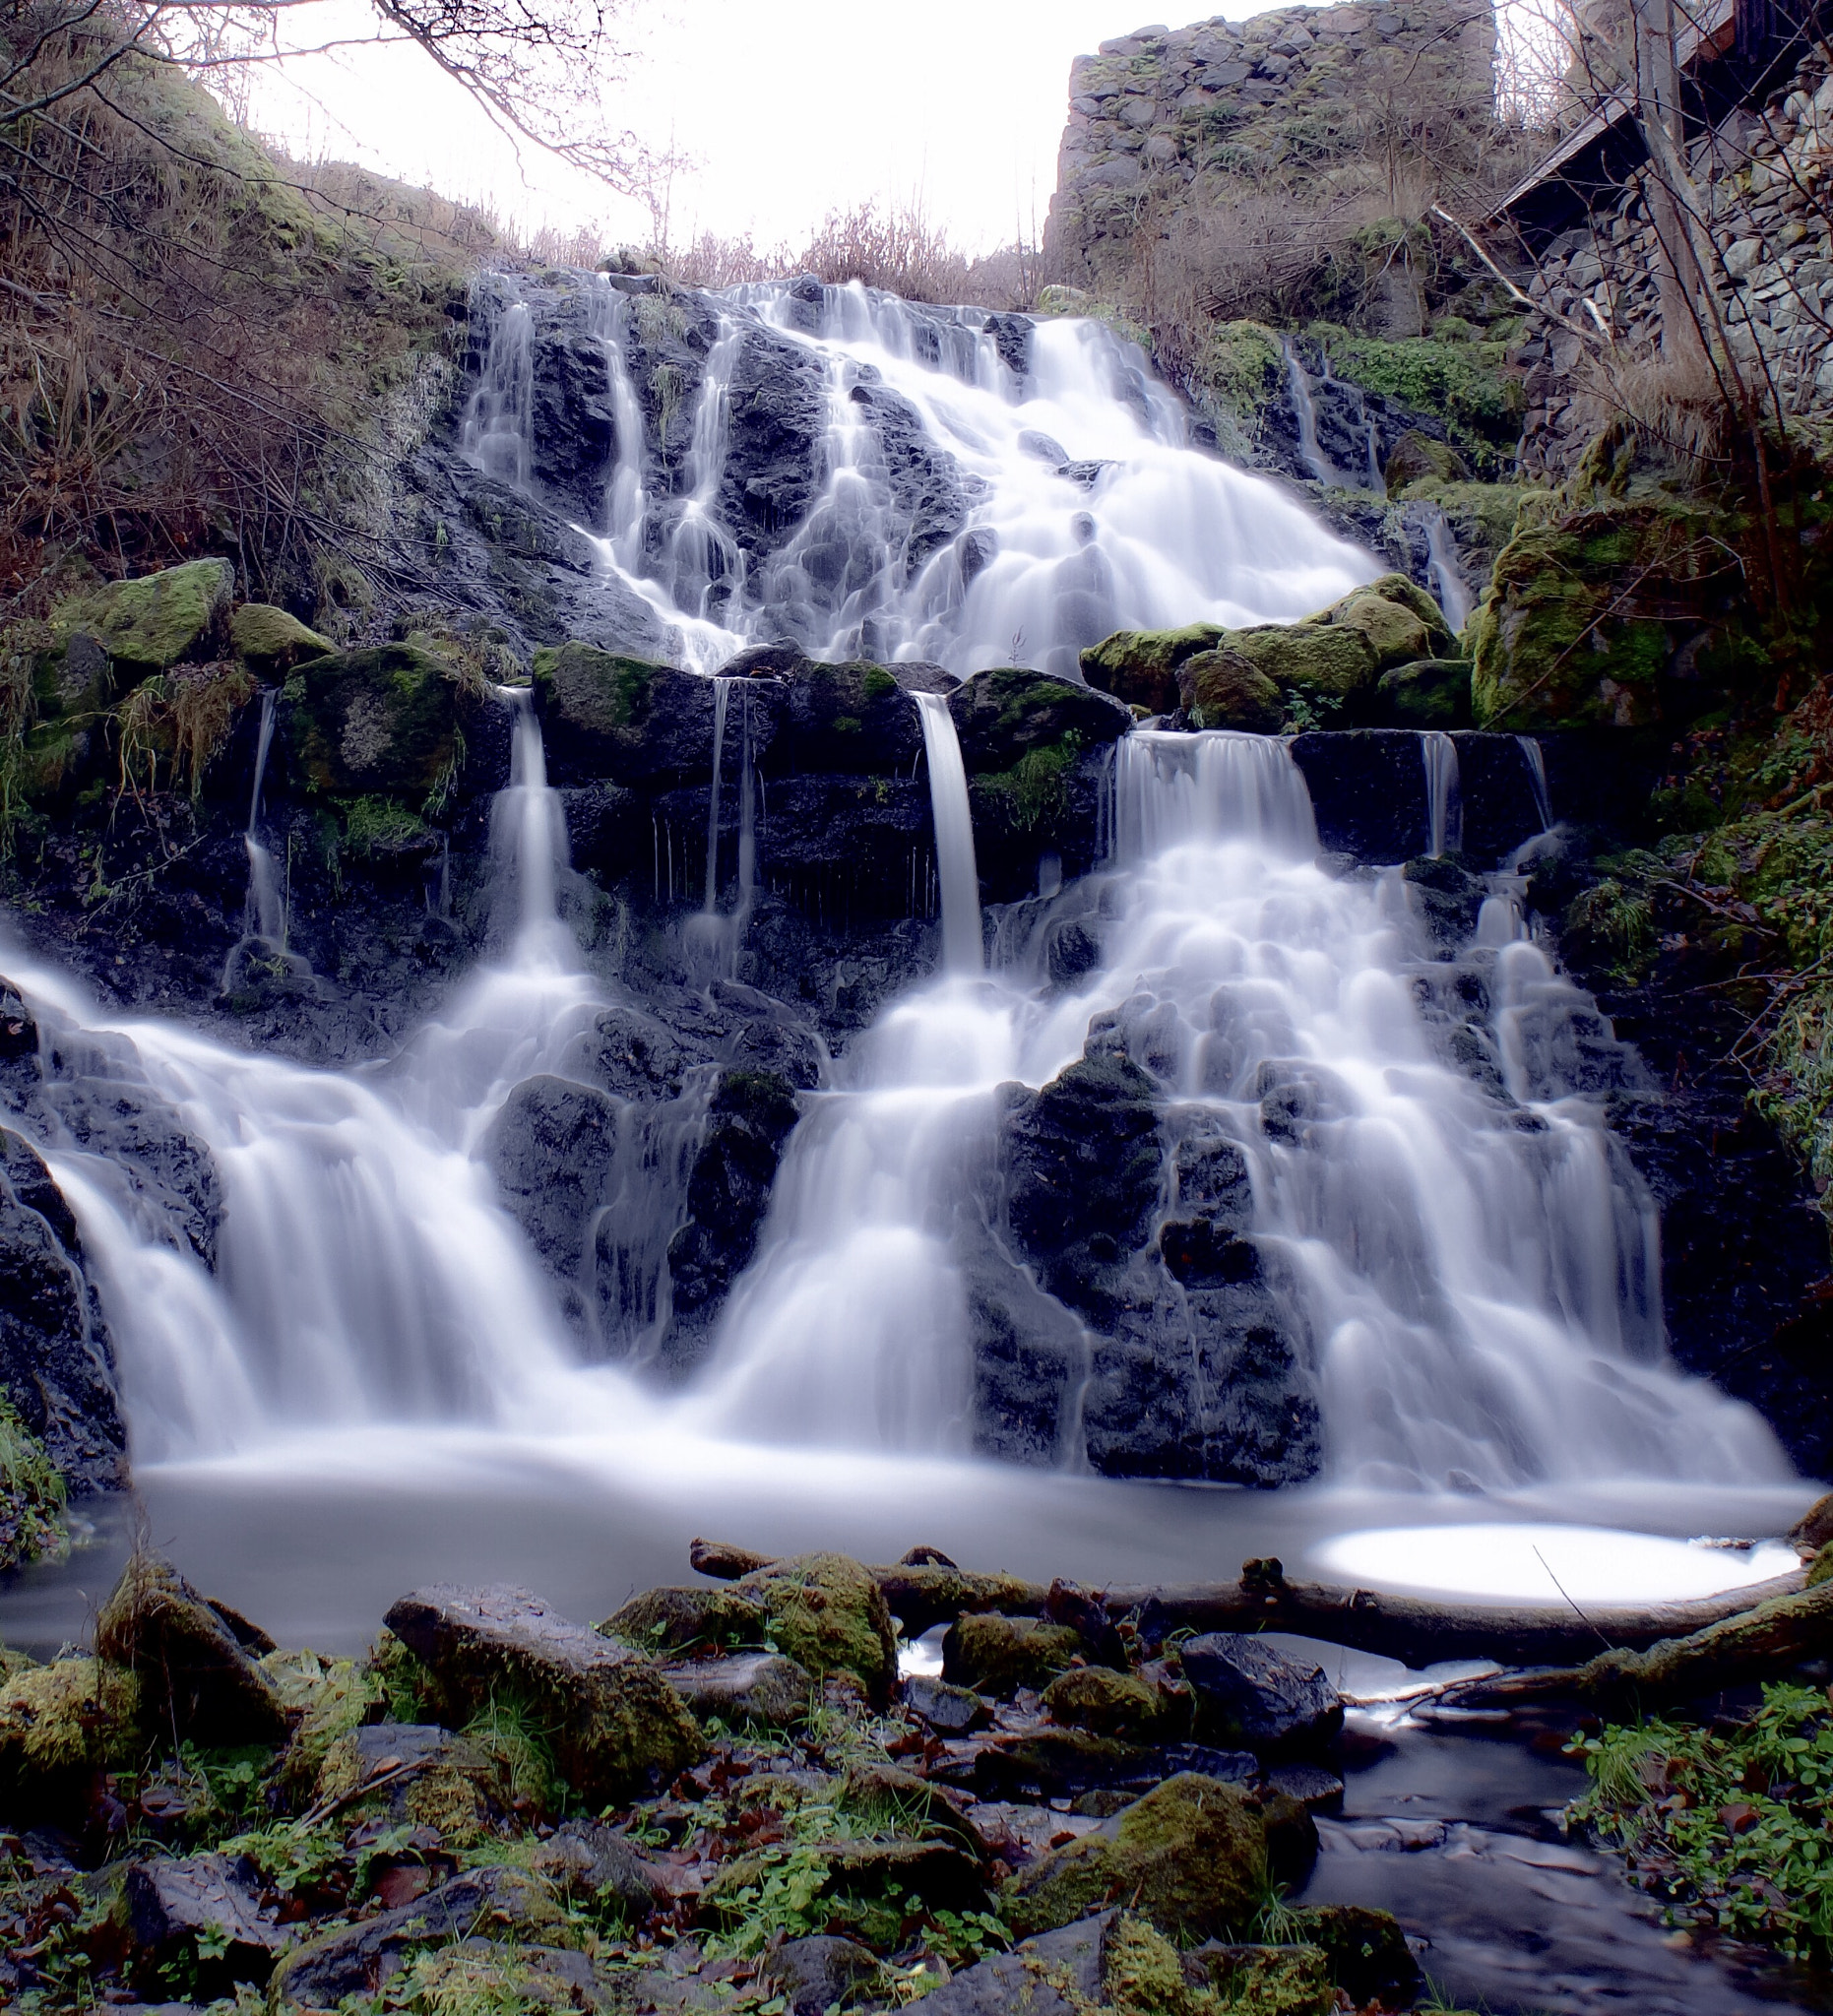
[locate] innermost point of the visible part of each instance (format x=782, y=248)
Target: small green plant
x=31, y=1495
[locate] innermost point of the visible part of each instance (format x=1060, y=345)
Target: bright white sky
x=792, y=107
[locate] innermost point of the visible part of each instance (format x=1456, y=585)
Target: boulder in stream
x=614, y=1720
x=995, y=1655
x=828, y=1613
x=1250, y=1694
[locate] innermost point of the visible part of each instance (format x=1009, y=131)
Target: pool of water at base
x=1453, y=1829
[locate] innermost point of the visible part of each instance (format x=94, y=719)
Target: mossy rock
x=624, y=718
x=1317, y=659
x=60, y=1724
x=1140, y=666
x=384, y=720
x=1191, y=1857
x=330, y=1697
x=1123, y=1705
x=685, y=1619
x=995, y=1655
x=424, y=1777
x=1395, y=634
x=72, y=679
x=1366, y=1951
x=1143, y=1974
x=271, y=640
x=1430, y=693
x=1001, y=715
x=31, y=1495
x=828, y=1613
x=1225, y=689
x=157, y=622
x=1584, y=611
x=198, y=1676
x=477, y=1979
x=1417, y=456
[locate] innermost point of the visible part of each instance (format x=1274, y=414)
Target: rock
x=1250, y=1694
x=1327, y=660
x=1056, y=1974
x=1116, y=1704
x=552, y=1146
x=157, y=622
x=1223, y=689
x=761, y=1687
x=624, y=721
x=616, y=1721
x=59, y=1724
x=1429, y=693
x=949, y=1710
x=938, y=1872
x=1292, y=1979
x=196, y=1677
x=1366, y=1951
x=1139, y=667
x=172, y=1905
x=378, y=721
x=814, y=1975
x=851, y=718
x=1395, y=634
x=1007, y=714
x=585, y=1858
x=912, y=1804
x=633, y=1055
x=1309, y=1784
x=1048, y=1763
x=1416, y=455
x=1191, y=1857
x=359, y=1959
x=422, y=1776
x=156, y=1161
x=827, y=1614
x=477, y=1976
x=330, y=1697
x=1814, y=1529
x=712, y=1615
x=995, y=1655
x=271, y=642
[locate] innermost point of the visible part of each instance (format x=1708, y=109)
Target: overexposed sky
x=792, y=107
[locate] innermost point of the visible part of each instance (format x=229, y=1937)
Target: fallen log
x=1413, y=1629
x=1758, y=1645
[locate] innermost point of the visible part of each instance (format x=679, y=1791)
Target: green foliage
x=878, y=684
x=1033, y=788
x=1459, y=382
x=1728, y=1822
x=375, y=826
x=31, y=1495
x=1614, y=926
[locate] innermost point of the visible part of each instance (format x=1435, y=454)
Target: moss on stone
x=1140, y=666
x=330, y=1697
x=878, y=684
x=1191, y=1857
x=1031, y=795
x=31, y=1495
x=1115, y=1704
x=1322, y=658
x=596, y=690
x=1430, y=693
x=461, y=1792
x=376, y=827
x=1143, y=1974
x=827, y=1612
x=995, y=1655
x=378, y=721
x=1394, y=634
x=716, y=1617
x=474, y=1978
x=272, y=641
x=1417, y=456
x=147, y=624
x=1462, y=384
x=60, y=1723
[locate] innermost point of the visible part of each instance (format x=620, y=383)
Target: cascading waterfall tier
x=969, y=504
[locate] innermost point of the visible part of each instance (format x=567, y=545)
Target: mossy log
x=1413, y=1629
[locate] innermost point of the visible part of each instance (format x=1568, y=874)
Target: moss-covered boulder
x=1429, y=693
x=1395, y=633
x=1143, y=1974
x=31, y=1494
x=272, y=641
x=607, y=1715
x=385, y=719
x=1139, y=667
x=1318, y=660
x=60, y=1724
x=622, y=720
x=828, y=1613
x=1130, y=1706
x=1417, y=456
x=159, y=620
x=1225, y=689
x=1004, y=714
x=198, y=1676
x=709, y=1616
x=854, y=718
x=1585, y=611
x=422, y=1776
x=995, y=1655
x=1191, y=1857
x=1366, y=1951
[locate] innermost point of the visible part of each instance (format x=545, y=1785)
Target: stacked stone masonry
x=1292, y=97
x=1768, y=176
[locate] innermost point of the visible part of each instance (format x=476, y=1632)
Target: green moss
x=147, y=624
x=61, y=1723
x=374, y=827
x=1394, y=633
x=995, y=1655
x=480, y=1980
x=1223, y=689
x=382, y=722
x=827, y=1614
x=1140, y=666
x=1324, y=659
x=1032, y=790
x=1432, y=693
x=1115, y=1704
x=1462, y=384
x=271, y=640
x=31, y=1495
x=330, y=1697
x=1613, y=926
x=1190, y=1856
x=718, y=1617
x=593, y=689
x=878, y=684
x=1143, y=1974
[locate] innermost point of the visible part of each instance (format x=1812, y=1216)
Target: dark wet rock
x=614, y=1719
x=925, y=483
x=1003, y=715
x=1366, y=1951
x=949, y=1710
x=745, y=1688
x=1056, y=1974
x=551, y=1146
x=1048, y=1763
x=585, y=1858
x=175, y=1904
x=195, y=1675
x=814, y=1975
x=703, y=1616
x=995, y=1655
x=622, y=721
x=751, y=1116
x=414, y=1775
x=1190, y=1856
x=939, y=1873
x=779, y=424
x=1446, y=899
x=56, y=1357
x=632, y=1055
x=360, y=1959
x=854, y=719
x=1250, y=1694
x=385, y=719
x=1310, y=1784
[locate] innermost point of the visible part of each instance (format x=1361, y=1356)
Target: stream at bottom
x=1453, y=1826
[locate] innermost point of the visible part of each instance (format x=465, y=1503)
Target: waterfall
x=722, y=699
x=1323, y=470
x=954, y=837
x=1536, y=761
x=263, y=912
x=1371, y=476
x=1439, y=755
x=934, y=529
x=1477, y=1272
x=1453, y=596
